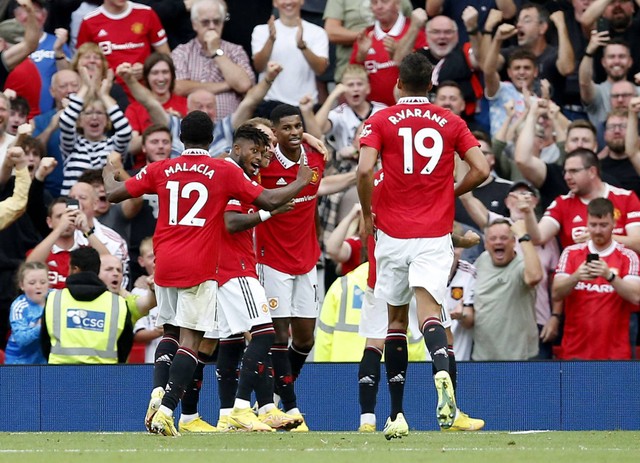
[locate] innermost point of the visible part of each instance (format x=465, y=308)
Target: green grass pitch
x=325, y=447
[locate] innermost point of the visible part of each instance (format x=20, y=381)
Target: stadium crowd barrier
x=509, y=396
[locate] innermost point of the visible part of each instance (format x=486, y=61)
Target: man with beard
x=616, y=61
x=616, y=18
x=599, y=283
x=617, y=162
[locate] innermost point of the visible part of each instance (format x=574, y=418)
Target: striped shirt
x=80, y=154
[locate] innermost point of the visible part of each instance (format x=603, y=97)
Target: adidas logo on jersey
x=577, y=218
x=102, y=33
x=281, y=181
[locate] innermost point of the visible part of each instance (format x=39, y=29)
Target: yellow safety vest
x=337, y=338
x=84, y=331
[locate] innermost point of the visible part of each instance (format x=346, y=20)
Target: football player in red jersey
x=193, y=191
x=288, y=250
x=417, y=143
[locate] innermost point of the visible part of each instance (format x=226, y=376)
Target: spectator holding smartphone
x=599, y=283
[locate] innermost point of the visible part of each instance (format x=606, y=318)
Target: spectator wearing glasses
x=210, y=63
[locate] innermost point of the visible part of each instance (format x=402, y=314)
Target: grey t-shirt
x=505, y=323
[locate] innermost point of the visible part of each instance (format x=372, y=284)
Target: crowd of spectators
x=549, y=88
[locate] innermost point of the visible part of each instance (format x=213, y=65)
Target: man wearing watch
x=600, y=285
x=504, y=319
x=210, y=63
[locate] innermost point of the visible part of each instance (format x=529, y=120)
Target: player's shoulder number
x=178, y=191
x=416, y=142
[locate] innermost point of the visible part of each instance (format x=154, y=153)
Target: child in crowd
x=145, y=329
x=26, y=314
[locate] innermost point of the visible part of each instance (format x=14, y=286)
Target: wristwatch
x=218, y=52
x=525, y=237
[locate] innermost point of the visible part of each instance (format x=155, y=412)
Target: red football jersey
x=288, y=242
x=355, y=259
x=237, y=255
x=596, y=323
x=570, y=213
x=126, y=37
x=417, y=142
x=382, y=69
x=193, y=191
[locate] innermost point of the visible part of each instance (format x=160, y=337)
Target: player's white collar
x=413, y=100
x=395, y=30
x=195, y=152
x=285, y=161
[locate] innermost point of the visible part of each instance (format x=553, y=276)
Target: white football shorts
x=193, y=308
x=290, y=295
x=242, y=304
x=404, y=264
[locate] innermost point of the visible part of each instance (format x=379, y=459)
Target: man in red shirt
x=567, y=215
x=193, y=191
x=417, y=143
x=288, y=250
x=600, y=285
x=375, y=45
x=126, y=32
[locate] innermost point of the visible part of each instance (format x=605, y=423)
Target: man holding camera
x=64, y=217
x=599, y=283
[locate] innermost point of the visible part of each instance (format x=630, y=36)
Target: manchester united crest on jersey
x=315, y=176
x=457, y=292
x=137, y=28
x=273, y=303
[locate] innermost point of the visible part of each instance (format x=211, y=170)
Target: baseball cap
x=524, y=184
x=11, y=31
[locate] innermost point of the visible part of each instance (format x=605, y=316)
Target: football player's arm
x=272, y=199
x=478, y=171
x=335, y=183
x=115, y=190
x=365, y=172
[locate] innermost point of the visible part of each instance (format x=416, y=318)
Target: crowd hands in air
x=549, y=90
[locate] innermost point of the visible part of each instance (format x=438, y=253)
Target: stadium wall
x=512, y=396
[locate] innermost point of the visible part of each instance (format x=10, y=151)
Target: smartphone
x=603, y=25
x=73, y=204
x=592, y=257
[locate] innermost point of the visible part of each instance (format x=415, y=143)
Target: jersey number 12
x=175, y=193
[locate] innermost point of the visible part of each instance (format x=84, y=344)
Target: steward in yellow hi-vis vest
x=337, y=338
x=85, y=323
